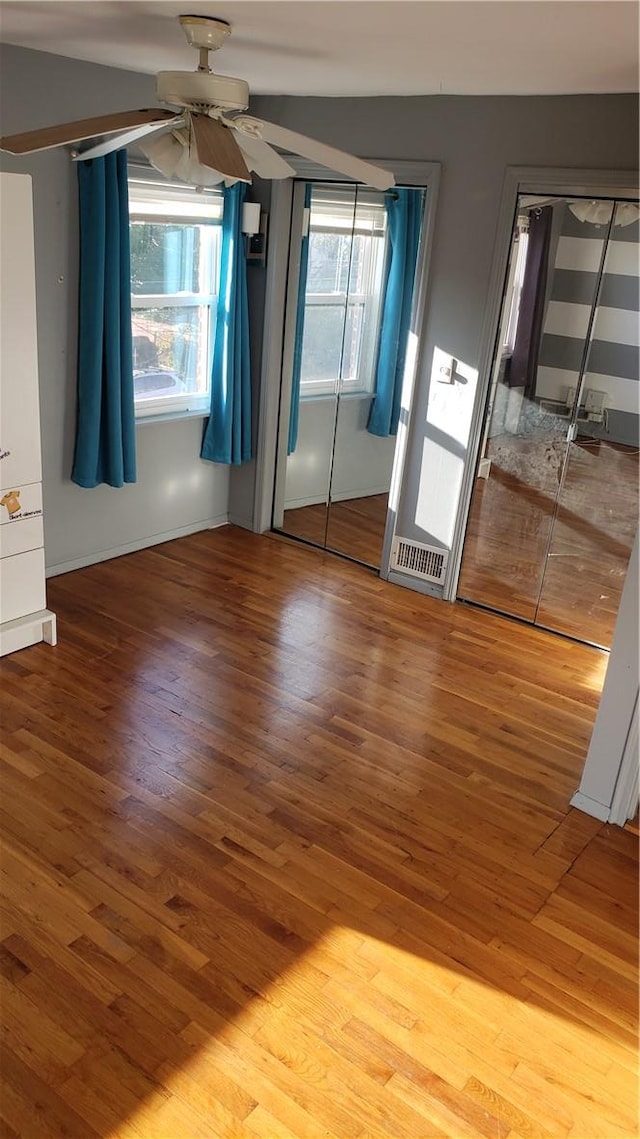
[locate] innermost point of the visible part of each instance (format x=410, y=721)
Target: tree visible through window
x=175, y=236
x=347, y=234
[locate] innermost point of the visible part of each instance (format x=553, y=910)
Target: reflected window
x=515, y=281
x=342, y=306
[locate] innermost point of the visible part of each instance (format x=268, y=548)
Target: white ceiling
x=356, y=47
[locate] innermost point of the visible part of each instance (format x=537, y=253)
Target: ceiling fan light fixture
x=212, y=148
x=172, y=155
x=164, y=153
x=596, y=213
x=599, y=212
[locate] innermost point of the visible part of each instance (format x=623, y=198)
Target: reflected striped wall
x=613, y=360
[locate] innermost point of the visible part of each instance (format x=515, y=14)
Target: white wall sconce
x=254, y=227
x=251, y=218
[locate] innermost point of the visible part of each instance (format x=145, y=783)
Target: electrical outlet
x=257, y=243
x=594, y=401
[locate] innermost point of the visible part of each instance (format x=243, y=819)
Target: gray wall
x=176, y=491
x=474, y=139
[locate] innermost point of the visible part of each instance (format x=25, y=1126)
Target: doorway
x=350, y=303
x=554, y=508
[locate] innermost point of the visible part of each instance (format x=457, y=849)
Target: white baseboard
x=370, y=492
x=430, y=589
x=299, y=503
x=132, y=547
x=591, y=806
x=342, y=496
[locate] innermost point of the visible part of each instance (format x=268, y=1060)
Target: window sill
x=170, y=416
x=317, y=396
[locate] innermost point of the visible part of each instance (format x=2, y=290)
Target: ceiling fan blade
x=81, y=129
x=262, y=158
x=121, y=140
x=328, y=156
x=218, y=149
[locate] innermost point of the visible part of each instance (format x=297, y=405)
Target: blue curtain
x=404, y=217
x=105, y=426
x=294, y=411
x=227, y=436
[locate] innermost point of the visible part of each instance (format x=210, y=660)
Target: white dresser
x=24, y=617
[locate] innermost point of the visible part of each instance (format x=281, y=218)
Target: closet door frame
x=288, y=351
x=421, y=174
x=518, y=180
x=288, y=346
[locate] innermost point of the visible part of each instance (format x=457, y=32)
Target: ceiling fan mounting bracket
x=205, y=33
x=201, y=90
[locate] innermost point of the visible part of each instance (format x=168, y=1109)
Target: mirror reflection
x=353, y=283
x=555, y=504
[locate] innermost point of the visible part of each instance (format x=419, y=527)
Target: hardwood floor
x=354, y=526
x=288, y=853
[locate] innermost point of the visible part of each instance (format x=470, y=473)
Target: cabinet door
x=22, y=588
x=19, y=412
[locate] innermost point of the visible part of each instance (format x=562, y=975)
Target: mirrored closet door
x=350, y=304
x=555, y=504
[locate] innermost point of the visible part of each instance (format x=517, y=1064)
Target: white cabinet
x=24, y=618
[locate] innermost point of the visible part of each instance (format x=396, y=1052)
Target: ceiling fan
x=208, y=139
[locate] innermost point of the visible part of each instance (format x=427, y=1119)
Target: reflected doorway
x=353, y=258
x=554, y=509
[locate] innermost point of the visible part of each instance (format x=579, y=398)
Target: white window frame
x=362, y=383
x=152, y=200
x=515, y=283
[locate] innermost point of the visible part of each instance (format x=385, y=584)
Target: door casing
x=518, y=180
x=425, y=174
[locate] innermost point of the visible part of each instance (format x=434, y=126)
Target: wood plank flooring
x=288, y=853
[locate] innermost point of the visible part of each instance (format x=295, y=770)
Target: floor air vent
x=427, y=562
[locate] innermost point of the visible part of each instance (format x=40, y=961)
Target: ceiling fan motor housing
x=201, y=89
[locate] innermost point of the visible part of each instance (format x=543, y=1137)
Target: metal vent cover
x=426, y=562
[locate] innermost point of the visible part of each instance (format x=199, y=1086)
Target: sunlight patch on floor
x=595, y=679
x=361, y=1033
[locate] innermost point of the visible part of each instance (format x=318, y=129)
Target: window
x=176, y=237
x=347, y=235
x=515, y=282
